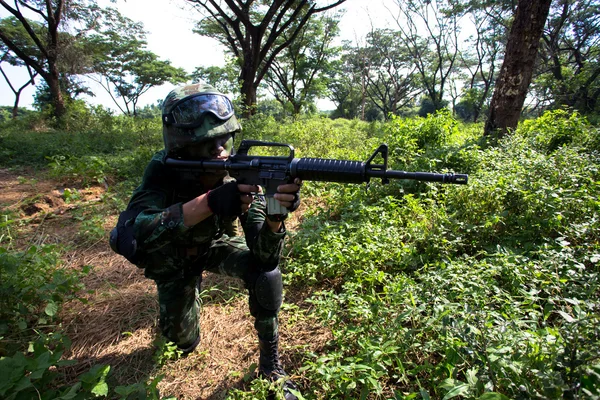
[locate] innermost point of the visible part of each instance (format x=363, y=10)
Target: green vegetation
x=484, y=291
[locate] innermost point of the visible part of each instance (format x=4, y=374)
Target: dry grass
x=117, y=323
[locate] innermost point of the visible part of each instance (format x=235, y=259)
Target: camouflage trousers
x=180, y=303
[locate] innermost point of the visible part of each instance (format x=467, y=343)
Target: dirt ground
x=117, y=324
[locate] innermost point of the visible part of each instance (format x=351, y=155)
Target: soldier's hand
x=246, y=195
x=289, y=195
x=230, y=199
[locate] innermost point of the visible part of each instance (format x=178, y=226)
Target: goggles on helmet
x=189, y=112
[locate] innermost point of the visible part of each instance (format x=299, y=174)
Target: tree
x=517, y=68
x=347, y=82
x=480, y=58
x=15, y=31
x=390, y=78
x=224, y=79
x=568, y=70
x=52, y=45
x=299, y=76
x=17, y=91
x=430, y=35
x=70, y=85
x=253, y=32
x=121, y=64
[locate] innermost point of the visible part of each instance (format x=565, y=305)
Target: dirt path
x=117, y=324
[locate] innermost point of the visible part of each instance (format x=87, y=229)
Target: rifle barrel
x=319, y=169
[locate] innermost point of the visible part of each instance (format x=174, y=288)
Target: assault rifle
x=272, y=171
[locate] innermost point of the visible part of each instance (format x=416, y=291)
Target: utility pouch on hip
x=122, y=240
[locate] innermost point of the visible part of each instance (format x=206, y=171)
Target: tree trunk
x=249, y=98
x=15, y=110
x=517, y=69
x=248, y=90
x=297, y=108
x=57, y=96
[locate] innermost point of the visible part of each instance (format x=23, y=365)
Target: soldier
x=181, y=223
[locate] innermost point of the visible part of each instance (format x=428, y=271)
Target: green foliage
x=483, y=291
x=315, y=136
x=298, y=75
x=32, y=288
x=408, y=136
x=142, y=391
x=165, y=351
x=6, y=113
x=478, y=291
x=555, y=129
x=224, y=79
x=33, y=374
x=105, y=149
x=88, y=169
x=123, y=65
x=261, y=389
x=91, y=229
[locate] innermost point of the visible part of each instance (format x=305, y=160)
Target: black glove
x=225, y=200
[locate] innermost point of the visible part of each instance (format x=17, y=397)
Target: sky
x=169, y=25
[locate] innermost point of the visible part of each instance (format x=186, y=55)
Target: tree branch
x=26, y=59
x=35, y=10
x=27, y=27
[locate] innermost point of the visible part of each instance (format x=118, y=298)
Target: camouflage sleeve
x=158, y=223
x=265, y=245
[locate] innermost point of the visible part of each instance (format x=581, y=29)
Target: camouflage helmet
x=184, y=115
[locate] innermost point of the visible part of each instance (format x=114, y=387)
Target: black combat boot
x=270, y=367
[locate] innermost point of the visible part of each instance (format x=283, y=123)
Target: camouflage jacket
x=163, y=239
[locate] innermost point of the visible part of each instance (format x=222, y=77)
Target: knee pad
x=268, y=289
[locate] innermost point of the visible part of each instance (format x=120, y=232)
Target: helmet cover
x=195, y=113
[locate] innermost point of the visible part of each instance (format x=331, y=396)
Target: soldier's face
x=218, y=148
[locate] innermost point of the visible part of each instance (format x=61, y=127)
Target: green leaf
x=471, y=376
x=22, y=384
x=51, y=309
x=566, y=316
x=101, y=389
x=457, y=391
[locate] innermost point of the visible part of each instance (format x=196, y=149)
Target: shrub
x=32, y=288
x=479, y=291
x=555, y=129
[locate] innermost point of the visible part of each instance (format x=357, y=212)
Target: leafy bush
x=99, y=135
x=479, y=291
x=32, y=288
x=315, y=136
x=555, y=129
x=34, y=376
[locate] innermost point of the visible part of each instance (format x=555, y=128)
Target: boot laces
x=272, y=368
